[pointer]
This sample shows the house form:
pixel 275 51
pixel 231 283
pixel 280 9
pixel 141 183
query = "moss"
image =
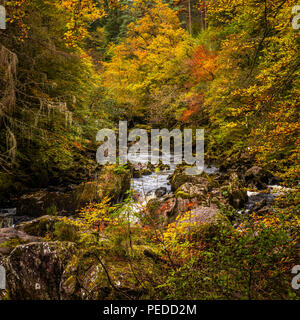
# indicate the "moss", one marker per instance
pixel 146 172
pixel 65 250
pixel 51 211
pixel 136 174
pixel 164 167
pixel 12 243
pixel 65 232
pixel 113 182
pixel 183 195
pixel 210 230
pixel 5 181
pixel 178 180
pixel 40 227
pixel 4 295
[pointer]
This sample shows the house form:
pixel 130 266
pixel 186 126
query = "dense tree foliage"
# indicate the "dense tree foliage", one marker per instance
pixel 239 78
pixel 256 91
pixel 48 92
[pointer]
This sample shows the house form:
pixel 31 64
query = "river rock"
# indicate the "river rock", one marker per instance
pixel 136 173
pixel 38 227
pixel 205 221
pixel 43 201
pixel 146 172
pixel 190 190
pixel 84 279
pixel 160 192
pixel 236 192
pixel 257 177
pixel 167 208
pixel 183 205
pixel 202 215
pixel 178 178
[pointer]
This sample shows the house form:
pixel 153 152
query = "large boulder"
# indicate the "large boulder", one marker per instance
pixel 141 169
pixel 235 191
pixel 160 192
pixel 45 202
pixel 204 215
pixel 190 190
pixel 160 211
pixel 86 278
pixel 51 227
pixel 179 177
pixel 202 223
pixel 10 238
pixel 34 270
pixel 112 182
pixel 39 227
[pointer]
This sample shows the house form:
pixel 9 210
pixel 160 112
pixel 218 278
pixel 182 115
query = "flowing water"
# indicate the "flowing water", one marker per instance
pixel 146 187
pixel 265 197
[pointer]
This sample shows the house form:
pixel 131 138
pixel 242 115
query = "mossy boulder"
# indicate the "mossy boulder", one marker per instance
pixel 85 278
pixel 179 177
pixel 146 172
pixel 50 226
pixel 44 202
pixel 204 222
pixel 257 177
pixel 34 270
pixel 136 173
pixel 235 192
pixel 113 182
pixel 190 190
pixel 11 238
pixel 39 227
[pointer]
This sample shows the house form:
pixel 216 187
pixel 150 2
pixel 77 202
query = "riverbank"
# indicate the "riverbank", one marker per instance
pixel 102 253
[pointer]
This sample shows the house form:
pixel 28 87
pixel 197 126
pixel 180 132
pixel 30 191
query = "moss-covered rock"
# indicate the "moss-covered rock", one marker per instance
pixel 146 172
pixel 86 277
pixel 39 227
pixel 34 270
pixel 204 218
pixel 257 177
pixel 179 177
pixel 45 202
pixel 11 238
pixel 113 182
pixel 235 192
pixel 190 190
pixel 51 227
